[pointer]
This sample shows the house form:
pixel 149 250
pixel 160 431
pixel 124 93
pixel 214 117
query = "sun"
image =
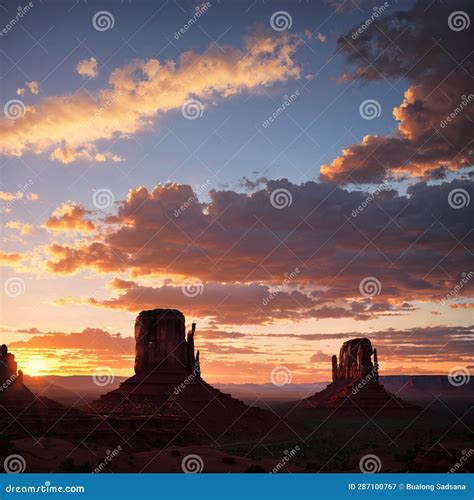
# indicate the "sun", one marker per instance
pixel 35 367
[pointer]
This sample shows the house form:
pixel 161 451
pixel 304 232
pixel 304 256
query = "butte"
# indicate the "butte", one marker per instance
pixel 355 382
pixel 168 385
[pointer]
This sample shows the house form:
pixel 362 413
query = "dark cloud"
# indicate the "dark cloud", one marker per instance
pixel 436 116
pixel 258 263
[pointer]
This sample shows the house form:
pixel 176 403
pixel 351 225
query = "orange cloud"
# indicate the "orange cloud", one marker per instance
pixel 23 228
pixel 69 217
pixel 70 125
pixel 9 258
pixel 87 67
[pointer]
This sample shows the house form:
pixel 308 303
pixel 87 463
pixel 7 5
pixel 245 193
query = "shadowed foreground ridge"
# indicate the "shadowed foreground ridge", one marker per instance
pixel 355 381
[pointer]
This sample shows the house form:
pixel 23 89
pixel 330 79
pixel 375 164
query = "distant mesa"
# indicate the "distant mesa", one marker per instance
pixel 355 381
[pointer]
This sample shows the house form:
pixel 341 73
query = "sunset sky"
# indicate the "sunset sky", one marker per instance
pixel 288 180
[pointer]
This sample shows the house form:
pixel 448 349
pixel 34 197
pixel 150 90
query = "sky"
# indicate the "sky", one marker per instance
pixel 290 175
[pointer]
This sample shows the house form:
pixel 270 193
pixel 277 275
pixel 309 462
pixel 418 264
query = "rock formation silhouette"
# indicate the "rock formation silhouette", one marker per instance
pixel 168 385
pixel 355 381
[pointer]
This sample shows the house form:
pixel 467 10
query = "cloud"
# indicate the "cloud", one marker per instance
pixel 245 251
pixel 436 115
pixel 144 89
pixel 22 227
pixel 90 338
pixel 33 87
pixel 69 217
pixel 87 67
pixel 9 258
pixel 322 38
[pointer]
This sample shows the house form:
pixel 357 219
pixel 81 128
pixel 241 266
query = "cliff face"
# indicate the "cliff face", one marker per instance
pixel 355 361
pixel 160 342
pixel 355 381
